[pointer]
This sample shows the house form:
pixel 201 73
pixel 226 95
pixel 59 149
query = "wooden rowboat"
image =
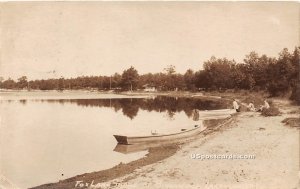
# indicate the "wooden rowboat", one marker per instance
pixel 159 138
pixel 184 133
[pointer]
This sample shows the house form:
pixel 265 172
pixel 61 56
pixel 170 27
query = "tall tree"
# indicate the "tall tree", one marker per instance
pixel 170 69
pixel 61 84
pixel 130 79
pixel 219 73
pixel 189 79
pixel 22 82
pixel 116 80
pixel 1 80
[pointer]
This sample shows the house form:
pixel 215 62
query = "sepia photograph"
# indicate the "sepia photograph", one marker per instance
pixel 149 95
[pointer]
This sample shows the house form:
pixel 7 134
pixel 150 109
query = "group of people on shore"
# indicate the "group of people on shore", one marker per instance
pixel 251 106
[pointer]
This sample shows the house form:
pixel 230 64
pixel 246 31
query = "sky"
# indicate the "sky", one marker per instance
pixel 52 39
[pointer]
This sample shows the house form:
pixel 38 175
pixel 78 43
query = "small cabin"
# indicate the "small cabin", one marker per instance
pixel 149 88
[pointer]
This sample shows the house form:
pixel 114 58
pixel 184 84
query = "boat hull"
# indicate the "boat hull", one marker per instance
pixel 158 138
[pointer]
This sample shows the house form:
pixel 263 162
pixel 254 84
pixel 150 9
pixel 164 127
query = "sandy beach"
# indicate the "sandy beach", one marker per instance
pixel 276 163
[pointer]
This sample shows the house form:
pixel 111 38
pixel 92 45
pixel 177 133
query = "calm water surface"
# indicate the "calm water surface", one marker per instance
pixel 44 141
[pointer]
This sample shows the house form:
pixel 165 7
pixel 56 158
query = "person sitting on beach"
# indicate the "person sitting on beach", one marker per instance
pixel 265 106
pixel 251 106
pixel 236 105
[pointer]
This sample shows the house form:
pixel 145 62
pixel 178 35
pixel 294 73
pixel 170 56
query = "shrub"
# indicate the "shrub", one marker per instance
pixel 296 94
pixel 292 122
pixel 272 111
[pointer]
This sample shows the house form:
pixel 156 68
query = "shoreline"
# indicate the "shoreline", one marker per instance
pixel 124 175
pixel 267 138
pixel 155 155
pixel 86 94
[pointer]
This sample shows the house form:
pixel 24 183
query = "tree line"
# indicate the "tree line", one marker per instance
pixel 277 75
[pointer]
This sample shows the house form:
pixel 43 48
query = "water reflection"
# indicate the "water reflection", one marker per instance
pixel 131 106
pixel 23 102
pixel 128 149
pixel 63 138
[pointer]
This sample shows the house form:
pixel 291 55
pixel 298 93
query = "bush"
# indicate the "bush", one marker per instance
pixel 296 94
pixel 291 121
pixel 278 87
pixel 272 111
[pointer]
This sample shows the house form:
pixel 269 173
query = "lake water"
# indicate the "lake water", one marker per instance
pixel 44 141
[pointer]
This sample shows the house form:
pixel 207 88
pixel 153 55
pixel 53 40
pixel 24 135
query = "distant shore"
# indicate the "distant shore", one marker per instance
pixel 87 94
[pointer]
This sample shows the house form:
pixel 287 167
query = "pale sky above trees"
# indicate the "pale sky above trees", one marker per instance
pixel 70 39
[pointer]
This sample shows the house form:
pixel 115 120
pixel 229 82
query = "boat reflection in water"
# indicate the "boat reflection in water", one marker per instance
pixel 128 149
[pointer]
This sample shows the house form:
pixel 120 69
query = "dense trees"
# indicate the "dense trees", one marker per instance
pixel 189 80
pixel 129 79
pixel 22 82
pixel 219 73
pixel 276 75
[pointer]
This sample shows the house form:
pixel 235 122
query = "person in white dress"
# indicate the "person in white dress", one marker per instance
pixel 265 106
pixel 236 105
pixel 251 107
